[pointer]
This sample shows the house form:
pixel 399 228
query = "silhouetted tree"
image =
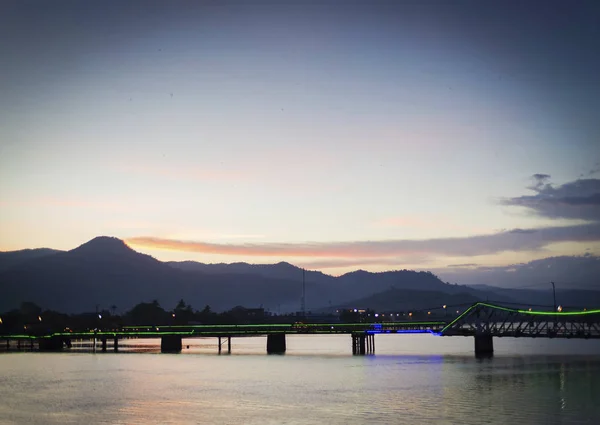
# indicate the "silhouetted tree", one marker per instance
pixel 183 312
pixel 147 314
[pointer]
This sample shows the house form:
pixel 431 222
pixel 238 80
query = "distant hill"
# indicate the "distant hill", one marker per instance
pixel 397 300
pixel 347 287
pixel 282 270
pixel 14 258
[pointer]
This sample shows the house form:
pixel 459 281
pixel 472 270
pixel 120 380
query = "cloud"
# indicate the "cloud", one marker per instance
pixel 578 200
pixel 520 240
pixel 359 262
pixel 594 170
pixel 539 180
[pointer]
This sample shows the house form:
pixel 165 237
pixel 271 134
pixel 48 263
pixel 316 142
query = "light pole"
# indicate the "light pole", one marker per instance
pixel 555 317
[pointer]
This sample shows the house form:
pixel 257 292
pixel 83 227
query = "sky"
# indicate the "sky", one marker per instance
pixel 335 135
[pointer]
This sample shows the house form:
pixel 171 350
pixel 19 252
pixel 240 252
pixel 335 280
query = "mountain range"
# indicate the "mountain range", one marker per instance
pixel 105 272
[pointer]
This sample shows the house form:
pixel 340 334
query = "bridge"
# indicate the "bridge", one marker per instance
pixel 483 321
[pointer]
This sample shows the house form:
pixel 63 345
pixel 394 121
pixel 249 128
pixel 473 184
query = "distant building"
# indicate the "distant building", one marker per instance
pixel 240 312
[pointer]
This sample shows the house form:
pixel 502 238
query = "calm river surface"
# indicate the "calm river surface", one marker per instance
pixel 413 379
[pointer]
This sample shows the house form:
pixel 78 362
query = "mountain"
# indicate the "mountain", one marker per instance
pixel 105 271
pixel 13 258
pixel 282 270
pixel 324 290
pixel 397 300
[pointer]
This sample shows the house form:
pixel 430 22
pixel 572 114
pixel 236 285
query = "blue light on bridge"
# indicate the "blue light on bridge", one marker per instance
pixel 405 331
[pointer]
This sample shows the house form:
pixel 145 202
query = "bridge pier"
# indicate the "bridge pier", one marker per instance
pixel 276 343
pixel 358 344
pixel 363 344
pixel 116 345
pixel 484 345
pixel 104 344
pixel 371 344
pixel 229 345
pixel 170 344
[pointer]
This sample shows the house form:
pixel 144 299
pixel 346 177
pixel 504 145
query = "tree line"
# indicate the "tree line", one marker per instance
pixel 31 318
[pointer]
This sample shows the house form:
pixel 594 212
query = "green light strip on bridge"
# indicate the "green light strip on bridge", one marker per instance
pixel 512 310
pixel 279 325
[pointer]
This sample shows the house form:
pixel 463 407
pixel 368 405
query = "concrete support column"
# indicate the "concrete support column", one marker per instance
pixel 228 345
pixel 359 344
pixel 370 344
pixel 170 344
pixel 116 345
pixel 219 342
pixel 104 344
pixel 276 343
pixel 484 345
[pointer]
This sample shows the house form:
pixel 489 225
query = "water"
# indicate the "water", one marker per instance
pixel 413 379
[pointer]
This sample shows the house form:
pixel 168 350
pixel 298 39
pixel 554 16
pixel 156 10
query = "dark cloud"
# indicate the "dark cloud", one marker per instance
pixel 539 180
pixel 522 231
pixel 579 199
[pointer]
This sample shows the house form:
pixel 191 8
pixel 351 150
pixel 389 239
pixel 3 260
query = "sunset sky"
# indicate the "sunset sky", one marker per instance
pixel 334 135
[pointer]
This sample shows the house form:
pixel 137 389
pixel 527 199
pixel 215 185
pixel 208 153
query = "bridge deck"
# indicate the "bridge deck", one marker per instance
pixel 191 331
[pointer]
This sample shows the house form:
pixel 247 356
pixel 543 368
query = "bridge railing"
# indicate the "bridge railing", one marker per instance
pixel 495 320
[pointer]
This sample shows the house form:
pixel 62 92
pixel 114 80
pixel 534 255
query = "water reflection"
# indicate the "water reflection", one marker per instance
pixel 299 388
